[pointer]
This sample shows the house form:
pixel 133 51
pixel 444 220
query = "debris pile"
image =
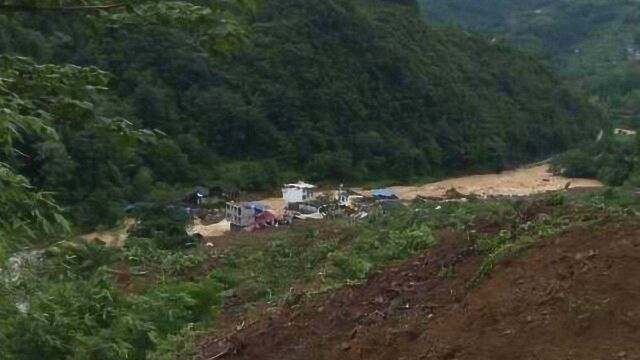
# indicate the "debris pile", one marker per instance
pixel 253 216
pixel 301 201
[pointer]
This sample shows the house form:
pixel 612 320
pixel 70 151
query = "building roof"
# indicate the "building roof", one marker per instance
pixel 199 191
pixel 300 185
pixel 255 205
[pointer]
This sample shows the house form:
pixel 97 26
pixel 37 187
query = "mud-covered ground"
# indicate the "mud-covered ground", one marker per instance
pixel 524 181
pixel 572 296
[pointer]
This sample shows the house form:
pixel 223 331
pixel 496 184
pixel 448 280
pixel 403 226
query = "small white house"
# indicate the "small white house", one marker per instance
pixel 298 192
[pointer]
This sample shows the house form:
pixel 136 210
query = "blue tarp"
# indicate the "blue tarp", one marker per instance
pixel 258 206
pixel 384 194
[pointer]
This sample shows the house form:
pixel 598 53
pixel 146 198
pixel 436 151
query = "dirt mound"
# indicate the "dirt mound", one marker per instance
pixel 576 296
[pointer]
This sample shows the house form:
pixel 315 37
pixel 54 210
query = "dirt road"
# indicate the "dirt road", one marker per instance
pixel 519 182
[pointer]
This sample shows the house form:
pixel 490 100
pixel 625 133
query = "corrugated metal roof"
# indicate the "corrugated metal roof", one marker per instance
pixel 300 185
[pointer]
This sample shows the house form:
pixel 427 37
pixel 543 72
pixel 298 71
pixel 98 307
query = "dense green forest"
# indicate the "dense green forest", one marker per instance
pixel 130 103
pixel 596 43
pixel 615 161
pixel 326 90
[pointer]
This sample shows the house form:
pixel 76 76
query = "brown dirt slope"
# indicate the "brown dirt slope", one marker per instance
pixel 575 296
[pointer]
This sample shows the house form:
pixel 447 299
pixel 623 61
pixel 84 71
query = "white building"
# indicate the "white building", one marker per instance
pixel 298 192
pixel 240 215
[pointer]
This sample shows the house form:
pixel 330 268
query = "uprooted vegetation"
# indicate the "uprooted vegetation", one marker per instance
pixel 156 296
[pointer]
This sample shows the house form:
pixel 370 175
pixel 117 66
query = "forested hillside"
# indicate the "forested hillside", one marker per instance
pixel 327 90
pixel 113 105
pixel 594 42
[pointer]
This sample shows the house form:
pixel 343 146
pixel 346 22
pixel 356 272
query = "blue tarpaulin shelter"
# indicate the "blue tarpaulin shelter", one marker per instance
pixel 383 194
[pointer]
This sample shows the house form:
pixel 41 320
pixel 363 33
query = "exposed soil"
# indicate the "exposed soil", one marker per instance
pixel 212 230
pixel 575 296
pixel 276 204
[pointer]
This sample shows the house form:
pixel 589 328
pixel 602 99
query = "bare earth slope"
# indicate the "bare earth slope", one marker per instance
pixel 574 296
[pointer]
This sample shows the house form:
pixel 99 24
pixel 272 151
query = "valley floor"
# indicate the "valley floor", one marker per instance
pixel 524 181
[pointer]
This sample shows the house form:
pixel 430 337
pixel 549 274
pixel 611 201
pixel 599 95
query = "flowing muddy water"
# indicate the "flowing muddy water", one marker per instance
pixel 519 182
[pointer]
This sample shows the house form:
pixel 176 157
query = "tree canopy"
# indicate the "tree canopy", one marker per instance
pixel 594 43
pixel 104 105
pixel 338 90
